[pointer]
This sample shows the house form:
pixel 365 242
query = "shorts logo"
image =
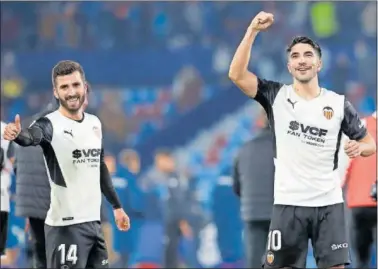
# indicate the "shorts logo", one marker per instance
pixel 339 246
pixel 270 258
pixel 328 112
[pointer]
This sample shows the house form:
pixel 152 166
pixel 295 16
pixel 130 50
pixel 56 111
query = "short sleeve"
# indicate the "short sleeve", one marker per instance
pixel 267 91
pixel 351 124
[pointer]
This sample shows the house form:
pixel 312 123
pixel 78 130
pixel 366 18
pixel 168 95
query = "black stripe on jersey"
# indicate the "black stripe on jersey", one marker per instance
pixel 55 172
pixel 266 94
pixel 351 124
pixel 269 113
pixel 336 156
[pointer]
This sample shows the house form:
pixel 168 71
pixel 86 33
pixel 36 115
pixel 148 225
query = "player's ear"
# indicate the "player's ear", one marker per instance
pixel 288 67
pixel 320 65
pixel 55 93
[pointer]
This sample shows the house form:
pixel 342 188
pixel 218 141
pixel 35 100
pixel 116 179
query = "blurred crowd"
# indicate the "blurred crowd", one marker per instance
pixel 158 78
pixel 138 25
pixel 147 100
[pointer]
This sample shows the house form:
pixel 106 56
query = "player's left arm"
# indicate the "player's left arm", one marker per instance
pixel 361 143
pixel 107 187
pixel 367 146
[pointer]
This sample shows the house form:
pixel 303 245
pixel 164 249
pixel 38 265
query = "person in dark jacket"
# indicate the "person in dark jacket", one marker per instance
pixel 253 181
pixel 33 191
pixel 182 217
pixel 125 180
pixel 226 217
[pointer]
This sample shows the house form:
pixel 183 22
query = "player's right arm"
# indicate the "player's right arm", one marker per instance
pixel 238 72
pixel 361 143
pixel 40 131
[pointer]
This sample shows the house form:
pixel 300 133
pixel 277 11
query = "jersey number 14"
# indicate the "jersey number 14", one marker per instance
pixel 71 255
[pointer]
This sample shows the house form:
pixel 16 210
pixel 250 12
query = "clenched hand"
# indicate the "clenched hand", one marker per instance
pixel 13 129
pixel 262 21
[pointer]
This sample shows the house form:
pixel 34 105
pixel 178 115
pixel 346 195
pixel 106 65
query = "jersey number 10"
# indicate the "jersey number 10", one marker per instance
pixel 274 240
pixel 71 254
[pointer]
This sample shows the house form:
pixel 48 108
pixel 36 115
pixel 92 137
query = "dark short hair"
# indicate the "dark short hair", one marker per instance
pixel 66 67
pixel 304 40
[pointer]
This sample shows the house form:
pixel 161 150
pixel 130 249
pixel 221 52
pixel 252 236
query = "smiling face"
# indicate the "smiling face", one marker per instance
pixel 70 90
pixel 304 62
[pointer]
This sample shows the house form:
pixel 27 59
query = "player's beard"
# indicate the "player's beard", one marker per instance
pixel 72 107
pixel 304 80
pixel 307 78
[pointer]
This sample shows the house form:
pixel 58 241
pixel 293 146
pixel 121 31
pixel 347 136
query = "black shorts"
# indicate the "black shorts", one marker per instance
pixel 292 226
pixel 3 231
pixel 76 246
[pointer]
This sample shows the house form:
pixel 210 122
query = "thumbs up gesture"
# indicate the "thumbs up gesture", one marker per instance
pixel 12 130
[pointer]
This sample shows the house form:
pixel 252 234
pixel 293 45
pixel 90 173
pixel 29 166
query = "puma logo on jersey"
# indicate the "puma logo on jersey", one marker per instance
pixel 291 102
pixel 68 132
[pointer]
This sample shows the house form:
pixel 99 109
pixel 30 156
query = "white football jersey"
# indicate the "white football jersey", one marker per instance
pixel 6 172
pixel 72 151
pixel 308 140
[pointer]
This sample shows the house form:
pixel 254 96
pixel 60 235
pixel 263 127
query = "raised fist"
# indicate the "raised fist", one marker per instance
pixel 262 21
